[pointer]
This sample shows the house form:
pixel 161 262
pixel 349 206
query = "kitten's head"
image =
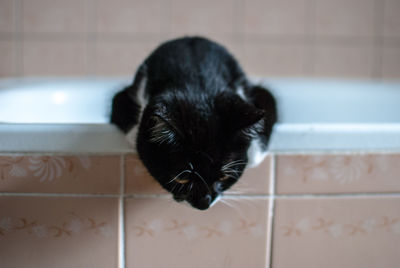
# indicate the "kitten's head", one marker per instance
pixel 195 146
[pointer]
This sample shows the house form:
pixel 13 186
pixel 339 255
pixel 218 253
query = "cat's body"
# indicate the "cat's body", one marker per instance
pixel 195 119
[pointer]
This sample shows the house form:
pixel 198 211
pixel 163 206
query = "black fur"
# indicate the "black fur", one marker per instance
pixel 195 122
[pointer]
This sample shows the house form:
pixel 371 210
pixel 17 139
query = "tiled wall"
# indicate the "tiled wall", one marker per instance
pixel 294 210
pixel 315 38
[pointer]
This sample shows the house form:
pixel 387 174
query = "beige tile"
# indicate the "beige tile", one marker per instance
pixel 138 16
pixel 271 59
pixel 350 173
pixel 43 58
pixel 58 232
pixel 202 17
pixel 344 60
pixel 139 181
pixel 254 180
pixel 391 62
pixel 121 58
pixel 7 58
pixel 60 174
pixel 53 16
pixel 336 232
pixel 391 21
pixel 7 16
pixel 345 17
pixel 124 57
pixel 275 17
pixel 180 236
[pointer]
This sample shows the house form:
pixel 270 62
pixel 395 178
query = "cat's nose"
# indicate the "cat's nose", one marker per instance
pixel 205 202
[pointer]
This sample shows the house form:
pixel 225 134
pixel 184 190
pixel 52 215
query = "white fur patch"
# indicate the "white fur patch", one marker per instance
pixel 255 153
pixel 141 96
pixel 240 92
pixel 131 137
pixel 142 100
pixel 215 200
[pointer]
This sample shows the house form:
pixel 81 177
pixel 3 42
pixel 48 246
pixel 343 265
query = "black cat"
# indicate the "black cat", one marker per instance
pixel 195 119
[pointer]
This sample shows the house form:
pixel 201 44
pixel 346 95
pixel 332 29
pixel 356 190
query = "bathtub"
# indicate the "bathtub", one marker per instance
pixel 330 185
pixel 313 114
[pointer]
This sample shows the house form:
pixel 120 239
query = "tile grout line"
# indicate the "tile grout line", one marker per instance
pixel 376 72
pixel 121 215
pixel 229 196
pixel 14 194
pixel 87 28
pixel 311 36
pixel 92 40
pixel 356 152
pixel 271 208
pixel 18 38
pixel 339 195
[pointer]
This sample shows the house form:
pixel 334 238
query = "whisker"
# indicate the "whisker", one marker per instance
pixel 180 189
pixel 237 165
pixel 226 202
pixel 191 186
pixel 248 203
pixel 205 183
pixel 231 174
pixel 231 171
pixel 173 188
pixel 236 162
pixel 229 204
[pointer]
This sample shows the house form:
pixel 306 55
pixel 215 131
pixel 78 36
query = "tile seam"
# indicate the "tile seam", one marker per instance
pixel 341 195
pixel 60 195
pixel 336 152
pixel 18 37
pixel 274 151
pixel 86 6
pixel 376 72
pixel 275 196
pixel 310 38
pixel 121 214
pixel 271 210
pixel 61 153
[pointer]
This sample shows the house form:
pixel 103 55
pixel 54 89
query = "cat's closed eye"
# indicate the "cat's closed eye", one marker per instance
pixel 224 178
pixel 182 181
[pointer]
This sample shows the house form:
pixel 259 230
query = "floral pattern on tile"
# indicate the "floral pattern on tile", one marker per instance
pixel 336 232
pixel 191 230
pixel 45 168
pixel 58 231
pixel 339 228
pixel 338 173
pixel 215 237
pixel 71 225
pixel 75 174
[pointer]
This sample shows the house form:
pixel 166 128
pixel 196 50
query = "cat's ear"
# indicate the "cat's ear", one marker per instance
pixel 162 128
pixel 236 113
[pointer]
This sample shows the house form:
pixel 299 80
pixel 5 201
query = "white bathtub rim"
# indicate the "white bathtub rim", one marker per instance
pixel 286 139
